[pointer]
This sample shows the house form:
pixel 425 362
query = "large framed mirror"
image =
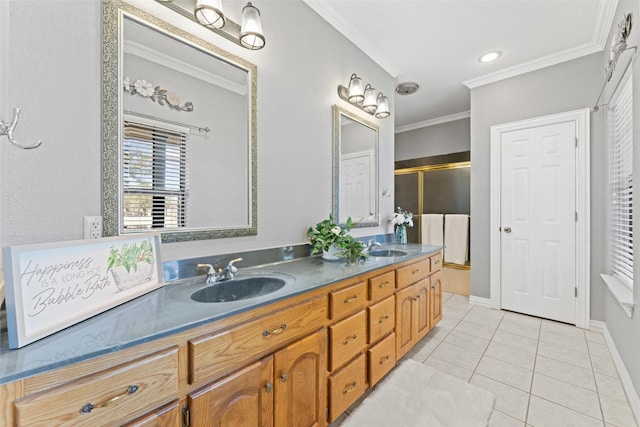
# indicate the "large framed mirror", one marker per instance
pixel 179 131
pixel 355 169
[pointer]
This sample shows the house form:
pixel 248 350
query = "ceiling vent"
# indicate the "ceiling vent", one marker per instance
pixel 407 88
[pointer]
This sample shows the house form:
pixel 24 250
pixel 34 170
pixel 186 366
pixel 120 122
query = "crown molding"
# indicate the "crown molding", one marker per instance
pixel 604 19
pixel 161 58
pixel 329 14
pixel 432 122
pixel 536 64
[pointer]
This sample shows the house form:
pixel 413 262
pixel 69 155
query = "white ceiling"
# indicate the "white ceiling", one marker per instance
pixel 436 43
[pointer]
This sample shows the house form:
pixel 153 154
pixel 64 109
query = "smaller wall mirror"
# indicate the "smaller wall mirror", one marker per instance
pixel 355 169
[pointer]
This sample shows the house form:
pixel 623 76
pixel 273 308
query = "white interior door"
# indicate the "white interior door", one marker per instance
pixel 355 186
pixel 538 221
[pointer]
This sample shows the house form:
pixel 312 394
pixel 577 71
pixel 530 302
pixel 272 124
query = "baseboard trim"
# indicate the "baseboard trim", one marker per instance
pixel 627 384
pixel 484 302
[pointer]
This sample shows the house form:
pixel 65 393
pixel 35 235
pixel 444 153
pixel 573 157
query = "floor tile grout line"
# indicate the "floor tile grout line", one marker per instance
pixel 595 381
pixel 533 374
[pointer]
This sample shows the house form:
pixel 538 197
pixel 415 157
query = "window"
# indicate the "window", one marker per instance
pixel 154 170
pixel 621 183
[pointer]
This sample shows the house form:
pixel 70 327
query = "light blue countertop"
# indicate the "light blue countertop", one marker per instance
pixel 169 310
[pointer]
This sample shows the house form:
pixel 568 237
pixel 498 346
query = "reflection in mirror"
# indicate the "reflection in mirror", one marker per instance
pixel 183 158
pixel 355 169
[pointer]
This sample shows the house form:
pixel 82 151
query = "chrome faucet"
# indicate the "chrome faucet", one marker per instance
pixel 227 273
pixel 371 244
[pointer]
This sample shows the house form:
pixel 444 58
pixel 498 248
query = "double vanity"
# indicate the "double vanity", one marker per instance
pixel 296 343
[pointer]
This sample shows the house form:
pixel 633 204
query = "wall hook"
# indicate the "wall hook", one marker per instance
pixel 8 128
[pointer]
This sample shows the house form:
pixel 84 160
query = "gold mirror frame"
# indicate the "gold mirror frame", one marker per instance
pixel 113 12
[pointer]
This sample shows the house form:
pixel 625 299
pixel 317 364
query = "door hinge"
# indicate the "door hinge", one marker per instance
pixel 576 216
pixel 326 413
pixel 186 416
pixel 576 138
pixel 575 292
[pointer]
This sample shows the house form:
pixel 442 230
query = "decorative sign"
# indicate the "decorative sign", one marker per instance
pixel 55 285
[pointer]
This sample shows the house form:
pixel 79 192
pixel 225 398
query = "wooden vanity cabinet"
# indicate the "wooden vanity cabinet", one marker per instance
pixel 296 362
pixel 283 389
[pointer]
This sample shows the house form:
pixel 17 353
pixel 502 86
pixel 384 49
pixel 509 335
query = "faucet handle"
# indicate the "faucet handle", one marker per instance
pixel 231 267
pixel 206 268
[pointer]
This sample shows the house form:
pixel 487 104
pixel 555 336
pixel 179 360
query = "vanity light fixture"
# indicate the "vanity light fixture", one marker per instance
pixel 209 14
pixel 365 98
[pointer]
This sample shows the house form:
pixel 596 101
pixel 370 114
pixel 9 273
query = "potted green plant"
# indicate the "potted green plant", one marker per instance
pixel 333 240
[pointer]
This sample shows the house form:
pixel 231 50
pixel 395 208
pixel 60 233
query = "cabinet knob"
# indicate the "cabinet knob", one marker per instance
pixel 350 299
pixel 284 378
pixel 268 387
pixel 349 388
pixel 349 339
pixel 275 331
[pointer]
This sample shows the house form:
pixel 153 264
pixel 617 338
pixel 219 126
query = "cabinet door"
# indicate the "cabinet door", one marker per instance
pixel 300 383
pixel 423 288
pixel 405 320
pixel 166 416
pixel 244 398
pixel 435 299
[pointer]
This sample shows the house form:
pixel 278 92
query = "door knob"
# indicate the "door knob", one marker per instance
pixel 507 229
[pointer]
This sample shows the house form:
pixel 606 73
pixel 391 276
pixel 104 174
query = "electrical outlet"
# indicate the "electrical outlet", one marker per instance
pixel 92 227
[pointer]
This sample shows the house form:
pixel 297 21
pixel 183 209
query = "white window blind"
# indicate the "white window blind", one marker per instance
pixel 154 165
pixel 621 184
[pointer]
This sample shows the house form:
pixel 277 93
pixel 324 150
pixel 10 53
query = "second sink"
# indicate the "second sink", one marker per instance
pixel 238 289
pixel 387 252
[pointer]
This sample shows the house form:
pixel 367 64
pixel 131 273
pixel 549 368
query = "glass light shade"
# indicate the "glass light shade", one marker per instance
pixel 251 35
pixel 356 91
pixel 383 107
pixel 370 103
pixel 209 13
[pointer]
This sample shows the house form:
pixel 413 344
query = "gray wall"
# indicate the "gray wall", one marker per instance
pixel 443 138
pixel 625 331
pixel 564 87
pixel 54 74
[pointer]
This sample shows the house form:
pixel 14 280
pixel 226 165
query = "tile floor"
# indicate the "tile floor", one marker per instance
pixel 543 373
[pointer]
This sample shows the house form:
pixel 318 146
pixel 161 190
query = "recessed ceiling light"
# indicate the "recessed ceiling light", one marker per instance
pixel 490 56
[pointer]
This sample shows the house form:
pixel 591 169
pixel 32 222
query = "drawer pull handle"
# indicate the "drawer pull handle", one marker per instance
pixel 383 285
pixel 417 270
pixel 90 406
pixel 348 300
pixel 383 319
pixel 349 388
pixel 384 359
pixel 284 378
pixel 268 387
pixel 275 331
pixel 352 338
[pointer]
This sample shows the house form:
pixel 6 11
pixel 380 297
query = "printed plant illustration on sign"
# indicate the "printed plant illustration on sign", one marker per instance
pixel 131 264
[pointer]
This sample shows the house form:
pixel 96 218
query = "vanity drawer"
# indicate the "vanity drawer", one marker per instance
pixel 347 300
pixel 436 262
pixel 221 352
pixel 112 396
pixel 381 358
pixel 346 386
pixel 382 317
pixel 412 273
pixel 347 338
pixel 382 286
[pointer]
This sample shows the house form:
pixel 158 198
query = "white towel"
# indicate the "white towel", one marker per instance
pixel 432 229
pixel 456 231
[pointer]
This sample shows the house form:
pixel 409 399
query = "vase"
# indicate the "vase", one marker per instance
pixel 332 254
pixel 401 234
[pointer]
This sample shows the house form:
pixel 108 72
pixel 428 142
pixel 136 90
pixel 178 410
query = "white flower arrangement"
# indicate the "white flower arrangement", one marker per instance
pixel 145 89
pixel 402 218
